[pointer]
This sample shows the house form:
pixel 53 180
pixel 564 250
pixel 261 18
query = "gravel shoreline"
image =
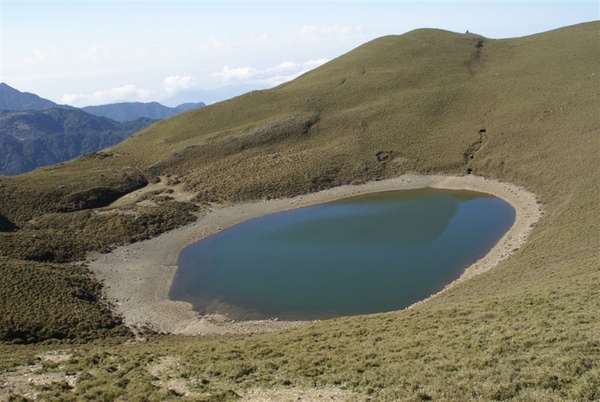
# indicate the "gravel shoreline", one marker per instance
pixel 137 277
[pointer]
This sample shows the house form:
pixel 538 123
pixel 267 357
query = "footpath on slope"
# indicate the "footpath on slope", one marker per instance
pixel 137 277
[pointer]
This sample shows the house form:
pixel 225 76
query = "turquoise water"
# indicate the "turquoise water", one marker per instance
pixel 372 253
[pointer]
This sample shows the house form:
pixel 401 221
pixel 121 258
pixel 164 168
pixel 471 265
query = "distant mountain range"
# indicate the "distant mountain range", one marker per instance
pixel 36 132
pixel 13 99
pixel 133 110
pixel 34 138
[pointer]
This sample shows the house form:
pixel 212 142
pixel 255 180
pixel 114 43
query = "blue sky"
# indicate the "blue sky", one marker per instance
pixel 96 52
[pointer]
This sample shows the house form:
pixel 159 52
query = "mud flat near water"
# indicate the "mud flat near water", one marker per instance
pixel 137 277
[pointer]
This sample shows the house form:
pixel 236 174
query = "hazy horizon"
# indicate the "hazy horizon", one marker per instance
pixel 88 53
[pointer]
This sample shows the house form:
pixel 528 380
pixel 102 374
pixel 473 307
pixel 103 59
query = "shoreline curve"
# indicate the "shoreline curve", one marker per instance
pixel 137 277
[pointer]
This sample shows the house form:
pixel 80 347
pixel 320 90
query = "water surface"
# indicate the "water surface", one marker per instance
pixel 372 253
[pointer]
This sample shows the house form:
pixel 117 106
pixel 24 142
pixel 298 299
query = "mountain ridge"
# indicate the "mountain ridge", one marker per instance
pixel 55 136
pixel 33 138
pixel 125 111
pixel 13 99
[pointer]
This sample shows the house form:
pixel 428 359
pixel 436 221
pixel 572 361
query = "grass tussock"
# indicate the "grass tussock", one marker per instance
pixel 522 110
pixel 48 301
pixel 54 302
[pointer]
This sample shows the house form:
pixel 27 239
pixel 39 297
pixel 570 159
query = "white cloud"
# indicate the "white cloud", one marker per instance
pixel 214 43
pixel 151 53
pixel 269 76
pixel 309 65
pixel 125 93
pixel 177 83
pixel 95 53
pixel 42 56
pixel 56 55
pixel 217 43
pixel 236 74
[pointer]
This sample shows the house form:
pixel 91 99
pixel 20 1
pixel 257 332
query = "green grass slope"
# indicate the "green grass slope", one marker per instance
pixel 523 110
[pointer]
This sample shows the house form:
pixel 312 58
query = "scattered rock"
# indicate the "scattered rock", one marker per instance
pixel 383 156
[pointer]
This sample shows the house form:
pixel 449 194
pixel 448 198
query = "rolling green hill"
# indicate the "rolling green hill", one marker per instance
pixel 522 110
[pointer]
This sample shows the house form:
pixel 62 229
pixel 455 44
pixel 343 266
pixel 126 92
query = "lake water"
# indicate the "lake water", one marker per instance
pixel 366 254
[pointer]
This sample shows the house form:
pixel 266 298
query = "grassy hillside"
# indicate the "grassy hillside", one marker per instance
pixel 522 110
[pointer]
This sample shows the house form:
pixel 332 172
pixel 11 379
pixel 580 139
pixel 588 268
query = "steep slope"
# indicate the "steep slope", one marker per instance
pixel 522 110
pixel 126 111
pixel 30 139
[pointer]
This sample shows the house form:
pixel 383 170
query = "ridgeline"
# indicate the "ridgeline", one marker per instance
pixel 522 110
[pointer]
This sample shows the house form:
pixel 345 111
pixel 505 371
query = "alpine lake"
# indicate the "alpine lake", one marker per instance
pixel 366 254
